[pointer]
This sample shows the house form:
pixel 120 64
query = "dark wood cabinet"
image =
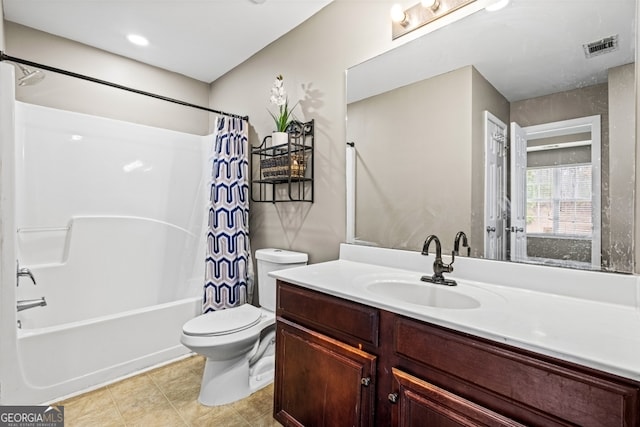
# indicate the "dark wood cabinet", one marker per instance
pixel 419 403
pixel 527 386
pixel 321 381
pixel 419 374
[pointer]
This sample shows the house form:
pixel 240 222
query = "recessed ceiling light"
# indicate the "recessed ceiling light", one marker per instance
pixel 496 5
pixel 138 40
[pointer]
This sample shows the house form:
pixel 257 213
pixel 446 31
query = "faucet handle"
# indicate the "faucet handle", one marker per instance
pixel 465 243
pixel 23 271
pixel 448 268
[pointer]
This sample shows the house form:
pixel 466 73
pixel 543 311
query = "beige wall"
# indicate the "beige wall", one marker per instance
pixel 313 59
pixel 67 93
pixel 614 102
pixel 2 44
pixel 484 97
pixel 622 165
pixel 636 130
pixel 414 162
pixel 421 160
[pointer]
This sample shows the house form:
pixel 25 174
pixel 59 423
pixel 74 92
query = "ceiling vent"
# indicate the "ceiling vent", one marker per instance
pixel 601 47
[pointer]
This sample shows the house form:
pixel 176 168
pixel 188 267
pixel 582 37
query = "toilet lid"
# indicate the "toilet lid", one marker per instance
pixel 223 322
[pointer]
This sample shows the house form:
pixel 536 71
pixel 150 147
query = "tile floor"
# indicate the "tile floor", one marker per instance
pixel 166 396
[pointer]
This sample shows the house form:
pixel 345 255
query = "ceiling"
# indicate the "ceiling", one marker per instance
pixel 528 49
pixel 202 39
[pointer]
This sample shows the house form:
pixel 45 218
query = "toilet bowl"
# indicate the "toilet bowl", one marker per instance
pixel 239 342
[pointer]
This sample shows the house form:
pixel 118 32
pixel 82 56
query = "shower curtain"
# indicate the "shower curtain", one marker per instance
pixel 228 265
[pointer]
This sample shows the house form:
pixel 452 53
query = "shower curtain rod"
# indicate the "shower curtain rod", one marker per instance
pixel 5 57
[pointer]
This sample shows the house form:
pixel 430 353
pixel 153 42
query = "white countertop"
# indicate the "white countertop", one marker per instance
pixel 577 323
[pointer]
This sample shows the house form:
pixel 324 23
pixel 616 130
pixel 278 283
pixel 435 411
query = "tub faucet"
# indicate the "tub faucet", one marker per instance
pixel 439 267
pixel 23 271
pixel 26 304
pixel 465 244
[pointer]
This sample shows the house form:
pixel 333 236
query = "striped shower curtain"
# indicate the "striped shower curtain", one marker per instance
pixel 228 265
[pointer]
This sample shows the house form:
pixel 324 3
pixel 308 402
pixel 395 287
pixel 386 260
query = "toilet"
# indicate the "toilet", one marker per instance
pixel 239 342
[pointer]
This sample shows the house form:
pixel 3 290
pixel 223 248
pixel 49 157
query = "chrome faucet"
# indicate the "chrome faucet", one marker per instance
pixel 26 304
pixel 439 267
pixel 465 244
pixel 24 271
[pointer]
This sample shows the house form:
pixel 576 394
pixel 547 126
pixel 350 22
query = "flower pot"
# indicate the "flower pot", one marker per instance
pixel 279 138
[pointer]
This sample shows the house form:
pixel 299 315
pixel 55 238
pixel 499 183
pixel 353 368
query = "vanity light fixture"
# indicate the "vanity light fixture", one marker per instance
pixel 405 21
pixel 398 15
pixel 431 4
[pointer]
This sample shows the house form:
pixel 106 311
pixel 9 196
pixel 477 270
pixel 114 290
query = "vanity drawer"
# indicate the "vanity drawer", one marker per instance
pixel 350 322
pixel 537 389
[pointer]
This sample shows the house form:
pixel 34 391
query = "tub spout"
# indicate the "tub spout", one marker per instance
pixel 31 303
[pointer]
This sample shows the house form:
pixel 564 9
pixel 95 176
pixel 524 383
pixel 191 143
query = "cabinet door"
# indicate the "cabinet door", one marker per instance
pixel 535 389
pixel 321 381
pixel 421 404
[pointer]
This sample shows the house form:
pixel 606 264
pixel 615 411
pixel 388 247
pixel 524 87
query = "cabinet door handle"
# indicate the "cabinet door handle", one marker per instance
pixel 393 397
pixel 365 381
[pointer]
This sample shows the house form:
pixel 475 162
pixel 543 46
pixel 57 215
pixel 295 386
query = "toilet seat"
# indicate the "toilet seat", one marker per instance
pixel 223 322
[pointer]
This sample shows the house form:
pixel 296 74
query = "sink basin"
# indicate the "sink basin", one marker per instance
pixel 422 294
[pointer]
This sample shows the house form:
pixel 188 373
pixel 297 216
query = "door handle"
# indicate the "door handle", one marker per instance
pixel 490 229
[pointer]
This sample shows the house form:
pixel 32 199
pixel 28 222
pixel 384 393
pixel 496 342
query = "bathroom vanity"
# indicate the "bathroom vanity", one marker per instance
pixel 350 354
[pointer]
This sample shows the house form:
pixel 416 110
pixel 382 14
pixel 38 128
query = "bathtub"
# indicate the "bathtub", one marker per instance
pixel 110 220
pixel 116 302
pixel 67 359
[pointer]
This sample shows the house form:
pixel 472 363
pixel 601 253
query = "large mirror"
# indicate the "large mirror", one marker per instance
pixel 516 127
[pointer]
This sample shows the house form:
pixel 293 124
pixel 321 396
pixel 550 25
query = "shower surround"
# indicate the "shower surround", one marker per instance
pixel 110 221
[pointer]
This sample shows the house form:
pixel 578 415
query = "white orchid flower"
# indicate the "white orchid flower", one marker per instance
pixel 279 97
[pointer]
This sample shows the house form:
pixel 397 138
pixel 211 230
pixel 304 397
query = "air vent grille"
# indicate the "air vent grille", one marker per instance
pixel 601 47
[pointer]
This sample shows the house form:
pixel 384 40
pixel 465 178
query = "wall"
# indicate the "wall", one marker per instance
pixel 636 133
pixel 622 165
pixel 67 93
pixel 483 97
pixel 613 102
pixel 559 249
pixel 313 59
pixel 414 161
pixel 421 160
pixel 2 42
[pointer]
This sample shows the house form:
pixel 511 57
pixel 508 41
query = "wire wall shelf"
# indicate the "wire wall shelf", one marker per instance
pixel 284 172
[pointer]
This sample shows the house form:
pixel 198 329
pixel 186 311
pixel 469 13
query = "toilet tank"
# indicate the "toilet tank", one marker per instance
pixel 271 260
